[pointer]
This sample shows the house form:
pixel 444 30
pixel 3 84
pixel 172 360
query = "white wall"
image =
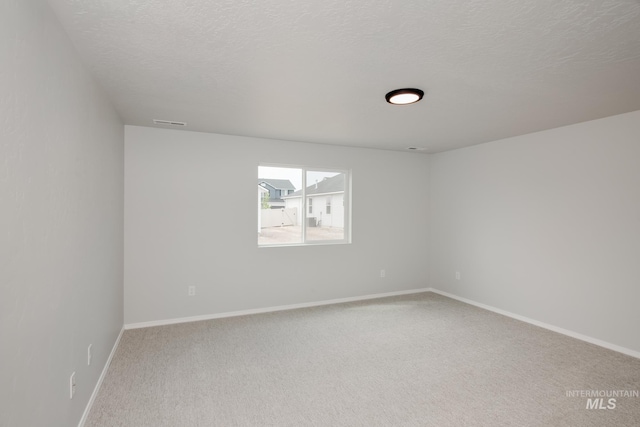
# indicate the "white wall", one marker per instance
pixel 61 221
pixel 336 217
pixel 174 184
pixel 545 225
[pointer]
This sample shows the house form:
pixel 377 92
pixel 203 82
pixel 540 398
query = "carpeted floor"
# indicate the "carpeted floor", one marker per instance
pixel 416 360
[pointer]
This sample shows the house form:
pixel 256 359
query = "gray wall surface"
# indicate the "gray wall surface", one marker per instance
pixel 546 226
pixel 61 222
pixel 177 235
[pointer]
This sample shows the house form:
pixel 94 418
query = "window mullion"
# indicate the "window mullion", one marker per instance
pixel 304 206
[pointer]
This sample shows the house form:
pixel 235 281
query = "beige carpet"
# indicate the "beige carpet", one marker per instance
pixel 418 360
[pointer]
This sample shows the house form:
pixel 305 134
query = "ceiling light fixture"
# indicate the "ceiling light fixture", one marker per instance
pixel 404 96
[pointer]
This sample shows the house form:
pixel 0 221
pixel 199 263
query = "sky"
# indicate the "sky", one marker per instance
pixel 293 174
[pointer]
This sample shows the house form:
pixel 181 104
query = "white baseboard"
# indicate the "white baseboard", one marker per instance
pixel 553 328
pixel 96 389
pixel 270 309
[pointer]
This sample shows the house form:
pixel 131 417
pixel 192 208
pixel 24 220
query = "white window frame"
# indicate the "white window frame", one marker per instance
pixel 346 201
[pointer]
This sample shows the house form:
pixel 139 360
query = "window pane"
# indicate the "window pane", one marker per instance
pixel 279 212
pixel 326 220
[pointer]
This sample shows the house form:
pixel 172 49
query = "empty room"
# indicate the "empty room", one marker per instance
pixel 337 213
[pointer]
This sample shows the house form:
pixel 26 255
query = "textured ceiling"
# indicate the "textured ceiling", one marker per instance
pixel 317 71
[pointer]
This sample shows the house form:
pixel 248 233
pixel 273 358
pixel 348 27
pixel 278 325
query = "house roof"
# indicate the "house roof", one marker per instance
pixel 334 184
pixel 280 184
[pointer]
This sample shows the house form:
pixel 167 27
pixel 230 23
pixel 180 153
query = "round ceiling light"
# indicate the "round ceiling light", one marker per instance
pixel 404 96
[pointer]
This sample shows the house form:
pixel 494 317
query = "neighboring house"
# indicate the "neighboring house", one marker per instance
pixel 325 202
pixel 278 188
pixel 261 192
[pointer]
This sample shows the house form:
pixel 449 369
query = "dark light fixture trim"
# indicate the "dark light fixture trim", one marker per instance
pixel 404 96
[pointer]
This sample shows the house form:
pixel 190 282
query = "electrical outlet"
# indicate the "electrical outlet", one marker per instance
pixel 72 385
pixel 89 355
pixel 457 275
pixel 191 291
pixel 383 273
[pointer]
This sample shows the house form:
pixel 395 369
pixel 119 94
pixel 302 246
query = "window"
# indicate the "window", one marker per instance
pixel 316 211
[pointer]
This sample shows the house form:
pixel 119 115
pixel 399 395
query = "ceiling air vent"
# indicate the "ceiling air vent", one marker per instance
pixel 168 122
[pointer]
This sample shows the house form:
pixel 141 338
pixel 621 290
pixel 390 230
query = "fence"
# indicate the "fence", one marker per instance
pixel 278 217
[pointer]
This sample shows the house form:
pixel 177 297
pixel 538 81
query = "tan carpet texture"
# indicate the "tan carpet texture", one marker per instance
pixel 416 360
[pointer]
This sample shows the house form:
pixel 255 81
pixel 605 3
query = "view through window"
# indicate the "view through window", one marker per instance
pixel 302 205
